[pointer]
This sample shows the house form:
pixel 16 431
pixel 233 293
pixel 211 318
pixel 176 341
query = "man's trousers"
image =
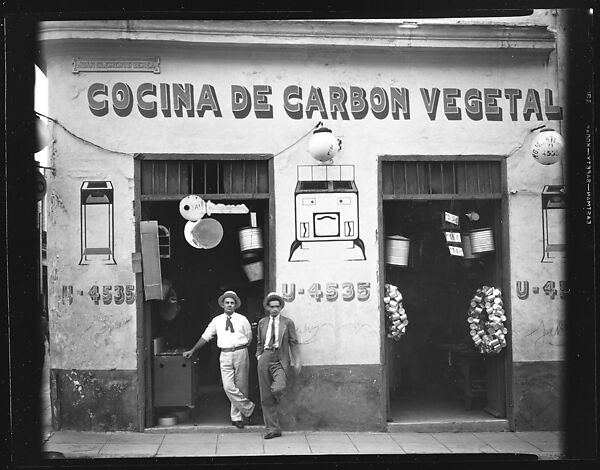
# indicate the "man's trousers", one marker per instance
pixel 234 375
pixel 272 382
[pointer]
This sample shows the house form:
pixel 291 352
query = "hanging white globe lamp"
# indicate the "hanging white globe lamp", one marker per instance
pixel 42 135
pixel 323 145
pixel 547 147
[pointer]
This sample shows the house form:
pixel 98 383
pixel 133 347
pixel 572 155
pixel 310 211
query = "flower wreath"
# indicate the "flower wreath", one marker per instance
pixel 485 318
pixel 395 313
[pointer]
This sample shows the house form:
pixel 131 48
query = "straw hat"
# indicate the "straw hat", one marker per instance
pixel 273 296
pixel 230 295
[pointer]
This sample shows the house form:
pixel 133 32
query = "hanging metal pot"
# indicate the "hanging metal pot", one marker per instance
pixel 203 234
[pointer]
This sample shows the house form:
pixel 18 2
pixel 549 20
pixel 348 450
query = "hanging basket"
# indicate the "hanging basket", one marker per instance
pixel 486 320
pixel 396 318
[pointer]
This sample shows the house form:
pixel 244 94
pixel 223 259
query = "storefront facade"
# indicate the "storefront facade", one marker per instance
pixel 147 113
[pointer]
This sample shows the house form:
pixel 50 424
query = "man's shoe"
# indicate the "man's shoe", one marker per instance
pixel 238 424
pixel 248 420
pixel 271 435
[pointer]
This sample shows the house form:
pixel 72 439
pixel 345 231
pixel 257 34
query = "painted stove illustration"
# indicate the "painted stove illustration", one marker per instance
pixel 326 206
pixel 554 207
pixel 97 222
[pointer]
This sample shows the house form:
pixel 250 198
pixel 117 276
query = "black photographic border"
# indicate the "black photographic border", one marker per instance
pixel 20 335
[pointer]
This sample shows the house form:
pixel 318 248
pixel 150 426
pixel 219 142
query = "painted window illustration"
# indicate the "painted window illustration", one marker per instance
pixel 97 222
pixel 554 207
pixel 326 209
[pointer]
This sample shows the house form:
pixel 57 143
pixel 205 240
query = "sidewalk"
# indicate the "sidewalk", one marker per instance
pixel 250 442
pixel 228 441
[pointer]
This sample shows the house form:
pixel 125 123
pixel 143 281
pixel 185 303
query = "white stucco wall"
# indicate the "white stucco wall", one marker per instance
pixel 539 329
pixel 337 332
pixel 86 335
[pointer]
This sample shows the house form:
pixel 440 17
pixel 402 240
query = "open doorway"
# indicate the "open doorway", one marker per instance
pixel 185 272
pixel 434 371
pixel 196 278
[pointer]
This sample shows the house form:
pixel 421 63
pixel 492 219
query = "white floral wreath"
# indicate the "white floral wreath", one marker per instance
pixel 395 313
pixel 486 320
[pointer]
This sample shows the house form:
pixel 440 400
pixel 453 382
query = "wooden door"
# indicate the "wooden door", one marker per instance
pixel 495 365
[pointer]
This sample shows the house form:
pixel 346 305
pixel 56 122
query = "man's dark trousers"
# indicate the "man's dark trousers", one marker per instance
pixel 272 381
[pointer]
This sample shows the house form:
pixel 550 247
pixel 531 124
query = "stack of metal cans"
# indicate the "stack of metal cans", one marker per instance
pixel 396 318
pixel 486 320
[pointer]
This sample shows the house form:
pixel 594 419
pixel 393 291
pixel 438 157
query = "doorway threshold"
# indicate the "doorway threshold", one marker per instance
pixel 475 425
pixel 432 411
pixel 204 428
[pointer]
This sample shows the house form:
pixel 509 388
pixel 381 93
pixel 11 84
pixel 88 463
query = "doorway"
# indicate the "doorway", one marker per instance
pixel 179 392
pixel 434 372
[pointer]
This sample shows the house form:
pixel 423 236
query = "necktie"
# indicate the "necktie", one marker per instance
pixel 272 340
pixel 228 324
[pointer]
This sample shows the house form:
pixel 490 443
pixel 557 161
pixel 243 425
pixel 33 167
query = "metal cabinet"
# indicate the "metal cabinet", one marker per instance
pixel 175 380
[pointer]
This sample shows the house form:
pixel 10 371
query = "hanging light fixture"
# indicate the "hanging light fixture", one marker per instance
pixel 323 145
pixel 472 216
pixel 42 136
pixel 547 147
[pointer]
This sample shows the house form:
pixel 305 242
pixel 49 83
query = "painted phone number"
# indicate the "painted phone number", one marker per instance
pixel 332 291
pixel 117 294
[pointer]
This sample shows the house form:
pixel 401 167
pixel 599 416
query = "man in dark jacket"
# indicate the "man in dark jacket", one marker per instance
pixel 276 340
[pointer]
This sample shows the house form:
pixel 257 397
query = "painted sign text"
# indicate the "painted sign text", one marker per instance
pixel 334 102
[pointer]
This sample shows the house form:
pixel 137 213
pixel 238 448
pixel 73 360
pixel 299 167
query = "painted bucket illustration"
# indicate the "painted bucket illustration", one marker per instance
pixel 396 250
pixel 482 240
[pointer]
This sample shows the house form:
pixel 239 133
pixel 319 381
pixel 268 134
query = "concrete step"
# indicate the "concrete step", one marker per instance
pixel 479 425
pixel 491 425
pixel 206 428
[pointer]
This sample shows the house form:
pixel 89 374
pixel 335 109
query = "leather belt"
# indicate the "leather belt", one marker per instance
pixel 271 349
pixel 237 348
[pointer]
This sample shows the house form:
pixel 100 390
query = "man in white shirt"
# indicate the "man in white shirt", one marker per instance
pixel 233 338
pixel 276 340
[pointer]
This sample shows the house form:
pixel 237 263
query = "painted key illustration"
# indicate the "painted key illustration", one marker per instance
pixel 193 208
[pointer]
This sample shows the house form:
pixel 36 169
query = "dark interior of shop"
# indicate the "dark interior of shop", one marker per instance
pixel 425 376
pixel 426 379
pixel 198 277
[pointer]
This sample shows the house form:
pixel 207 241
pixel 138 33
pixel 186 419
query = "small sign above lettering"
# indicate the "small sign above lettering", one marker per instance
pixel 453 219
pixel 86 64
pixel 453 237
pixel 456 251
